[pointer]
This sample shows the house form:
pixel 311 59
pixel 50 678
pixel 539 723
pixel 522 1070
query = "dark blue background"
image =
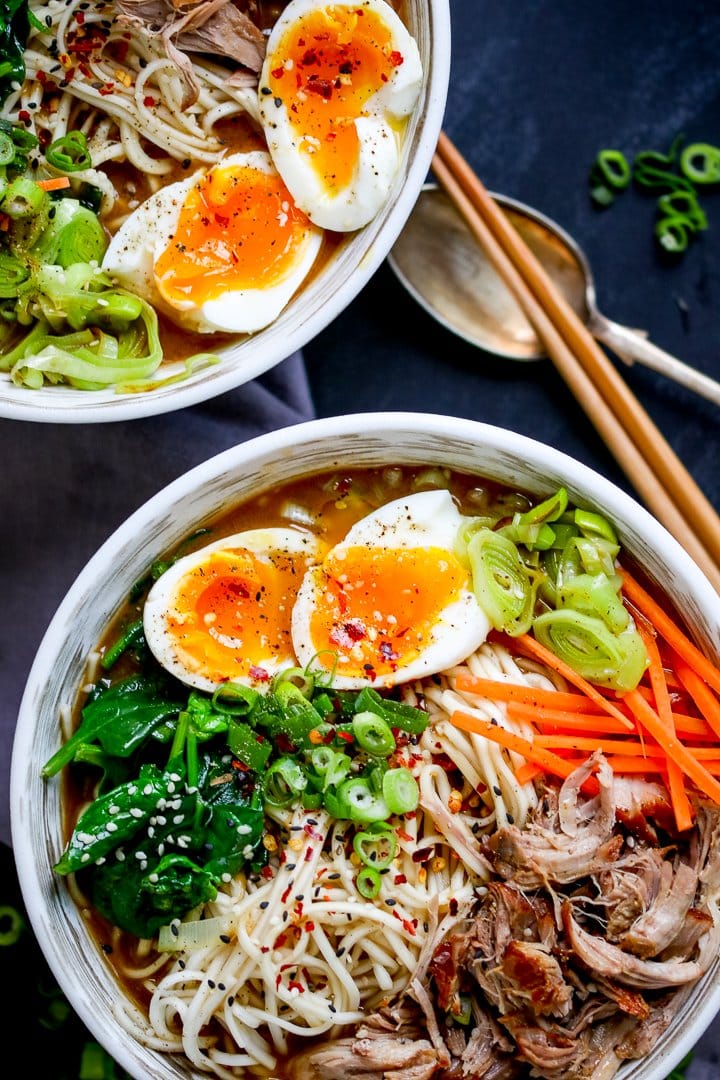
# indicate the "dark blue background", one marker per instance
pixel 537 89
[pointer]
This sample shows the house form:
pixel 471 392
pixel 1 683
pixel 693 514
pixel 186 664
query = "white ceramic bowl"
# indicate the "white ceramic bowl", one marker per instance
pixel 245 470
pixel 316 305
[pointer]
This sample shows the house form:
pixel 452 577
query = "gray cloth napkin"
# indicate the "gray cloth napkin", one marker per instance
pixel 66 487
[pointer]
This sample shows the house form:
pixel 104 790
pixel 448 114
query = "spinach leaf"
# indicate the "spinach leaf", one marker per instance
pixel 120 719
pixel 14 28
pixel 154 848
pixel 113 819
pixel 142 900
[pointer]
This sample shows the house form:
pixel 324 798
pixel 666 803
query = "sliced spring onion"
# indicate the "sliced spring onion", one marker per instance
pixel 584 642
pixel 376 849
pixel 194 934
pixel 614 169
pixel 356 800
pixel 70 153
pixel 235 699
pixel 503 585
pixel 700 163
pixel 300 678
pixel 12 275
pixel 11 925
pixel 331 766
pixel 673 233
pixel 592 524
pixel 23 199
pixel 400 791
pixel 83 240
pixel 7 149
pixel 595 595
pixel 396 713
pixel 248 746
pixel 283 782
pixel 373 734
pixel 368 882
pixel 683 204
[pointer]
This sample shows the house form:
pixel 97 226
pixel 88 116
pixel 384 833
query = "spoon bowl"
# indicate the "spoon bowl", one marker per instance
pixel 443 267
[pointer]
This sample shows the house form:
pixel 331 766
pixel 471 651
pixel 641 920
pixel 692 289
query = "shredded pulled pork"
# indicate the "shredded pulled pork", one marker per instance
pixel 220 28
pixel 577 956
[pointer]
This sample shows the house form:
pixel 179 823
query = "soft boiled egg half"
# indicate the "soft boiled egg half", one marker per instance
pixel 224 250
pixel 392 601
pixel 336 88
pixel 222 613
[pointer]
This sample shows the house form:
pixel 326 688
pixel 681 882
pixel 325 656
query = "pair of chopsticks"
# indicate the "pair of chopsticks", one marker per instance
pixel 657 474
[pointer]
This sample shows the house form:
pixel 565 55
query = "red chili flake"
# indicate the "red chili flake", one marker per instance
pixel 309 57
pixel 323 87
pixel 278 72
pixel 396 58
pixel 239 765
pixel 286 967
pixel 24 116
pixel 411 814
pixel 106 90
pixel 257 673
pixel 400 879
pixel 41 77
pixel 267 872
pixel 403 835
pixel 285 895
pixel 422 856
pixel 309 926
pixel 330 136
pixel 278 980
pixel 296 986
pixel 264 948
pixel 308 854
pixel 312 832
pixel 148 101
pixel 80 17
pixel 410 926
pixel 323 870
pixel 383 77
pixel 280 941
pixel 85 70
pixel 453 906
pixel 121 50
pixel 346 736
pixel 298 910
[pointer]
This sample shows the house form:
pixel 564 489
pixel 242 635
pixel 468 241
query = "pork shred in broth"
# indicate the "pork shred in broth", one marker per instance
pixel 536 929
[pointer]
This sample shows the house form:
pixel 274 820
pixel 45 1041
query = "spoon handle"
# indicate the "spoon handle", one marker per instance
pixel 631 345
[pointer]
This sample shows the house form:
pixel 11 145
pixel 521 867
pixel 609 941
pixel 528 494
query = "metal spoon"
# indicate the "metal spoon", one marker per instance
pixel 441 264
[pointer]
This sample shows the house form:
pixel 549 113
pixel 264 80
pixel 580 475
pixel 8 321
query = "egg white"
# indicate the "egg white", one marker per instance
pixel 161 603
pixel 380 144
pixel 425 519
pixel 134 250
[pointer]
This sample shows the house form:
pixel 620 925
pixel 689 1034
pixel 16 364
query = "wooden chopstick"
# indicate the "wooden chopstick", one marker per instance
pixel 657 474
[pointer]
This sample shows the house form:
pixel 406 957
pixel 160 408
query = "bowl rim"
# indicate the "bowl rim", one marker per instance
pixel 65 405
pixel 290 441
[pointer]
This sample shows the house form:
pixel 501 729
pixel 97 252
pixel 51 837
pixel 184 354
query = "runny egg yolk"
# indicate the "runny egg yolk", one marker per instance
pixel 327 65
pixel 237 229
pixel 231 613
pixel 379 606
